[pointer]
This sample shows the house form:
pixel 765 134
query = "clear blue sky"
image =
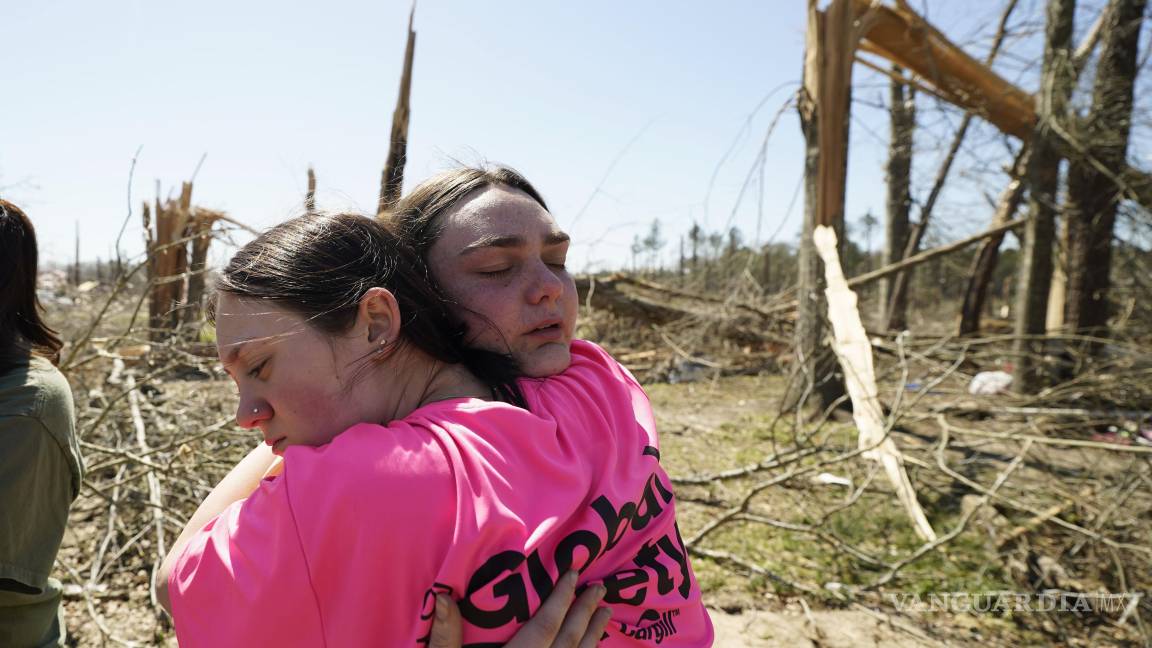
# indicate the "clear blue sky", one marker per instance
pixel 624 110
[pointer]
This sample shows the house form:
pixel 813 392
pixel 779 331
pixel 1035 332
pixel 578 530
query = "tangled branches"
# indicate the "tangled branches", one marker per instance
pixel 1029 494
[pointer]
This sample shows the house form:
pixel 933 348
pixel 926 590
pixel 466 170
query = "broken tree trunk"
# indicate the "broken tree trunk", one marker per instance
pixel 809 323
pixel 984 264
pixel 1093 197
pixel 1035 267
pixel 167 260
pixel 392 180
pixel 902 122
pixel 177 242
pixel 310 197
pixel 824 105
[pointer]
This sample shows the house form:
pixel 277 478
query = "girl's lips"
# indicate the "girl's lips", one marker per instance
pixel 550 332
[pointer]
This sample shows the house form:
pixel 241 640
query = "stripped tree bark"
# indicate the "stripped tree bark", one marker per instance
pixel 392 179
pixel 902 122
pixel 1093 197
pixel 854 352
pixel 1035 266
pixel 831 44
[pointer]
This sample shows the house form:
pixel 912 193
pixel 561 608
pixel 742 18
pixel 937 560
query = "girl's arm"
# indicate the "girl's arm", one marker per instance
pixel 236 485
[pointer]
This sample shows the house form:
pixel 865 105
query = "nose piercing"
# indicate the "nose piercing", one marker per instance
pixel 255 410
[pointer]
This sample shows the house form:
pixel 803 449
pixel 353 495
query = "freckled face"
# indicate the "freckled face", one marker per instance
pixel 501 256
pixel 291 378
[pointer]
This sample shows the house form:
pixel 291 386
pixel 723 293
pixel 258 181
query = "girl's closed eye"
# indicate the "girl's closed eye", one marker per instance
pixel 255 371
pixel 499 272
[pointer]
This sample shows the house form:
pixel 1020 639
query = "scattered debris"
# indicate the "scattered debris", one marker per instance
pixel 989 383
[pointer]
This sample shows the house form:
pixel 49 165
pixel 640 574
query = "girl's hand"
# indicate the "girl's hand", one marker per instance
pixel 559 623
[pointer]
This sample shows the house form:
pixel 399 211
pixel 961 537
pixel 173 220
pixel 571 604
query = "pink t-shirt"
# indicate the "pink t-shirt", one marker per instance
pixel 484 501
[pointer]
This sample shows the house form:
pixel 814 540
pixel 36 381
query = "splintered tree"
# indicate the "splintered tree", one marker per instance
pixel 1094 190
pixel 177 236
pixel 310 196
pixel 824 103
pixel 392 179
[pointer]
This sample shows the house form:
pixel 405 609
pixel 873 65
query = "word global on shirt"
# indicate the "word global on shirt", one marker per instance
pixel 660 564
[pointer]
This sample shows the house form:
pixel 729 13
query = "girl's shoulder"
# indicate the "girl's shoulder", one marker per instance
pixel 595 392
pixel 593 376
pixel 423 444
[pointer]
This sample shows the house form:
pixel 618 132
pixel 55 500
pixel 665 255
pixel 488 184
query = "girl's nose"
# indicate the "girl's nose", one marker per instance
pixel 544 284
pixel 250 411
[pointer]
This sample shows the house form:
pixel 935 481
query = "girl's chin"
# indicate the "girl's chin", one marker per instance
pixel 546 360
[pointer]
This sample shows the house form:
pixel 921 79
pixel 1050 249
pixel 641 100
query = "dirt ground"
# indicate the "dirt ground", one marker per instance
pixel 817 629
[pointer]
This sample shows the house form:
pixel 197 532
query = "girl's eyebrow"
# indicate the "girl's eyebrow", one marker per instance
pixel 493 241
pixel 511 241
pixel 233 353
pixel 556 238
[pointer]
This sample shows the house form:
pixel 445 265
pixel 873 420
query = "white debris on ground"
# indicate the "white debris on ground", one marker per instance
pixel 987 383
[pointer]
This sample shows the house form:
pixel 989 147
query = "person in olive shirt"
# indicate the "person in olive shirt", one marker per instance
pixel 40 467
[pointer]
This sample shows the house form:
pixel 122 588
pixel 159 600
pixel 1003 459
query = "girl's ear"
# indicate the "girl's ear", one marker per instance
pixel 378 317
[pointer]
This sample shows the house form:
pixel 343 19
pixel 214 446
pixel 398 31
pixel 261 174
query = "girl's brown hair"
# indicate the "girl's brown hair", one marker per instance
pixel 417 216
pixel 22 328
pixel 319 266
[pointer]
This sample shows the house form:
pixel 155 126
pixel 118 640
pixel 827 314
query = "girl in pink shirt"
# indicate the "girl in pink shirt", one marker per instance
pixel 483 501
